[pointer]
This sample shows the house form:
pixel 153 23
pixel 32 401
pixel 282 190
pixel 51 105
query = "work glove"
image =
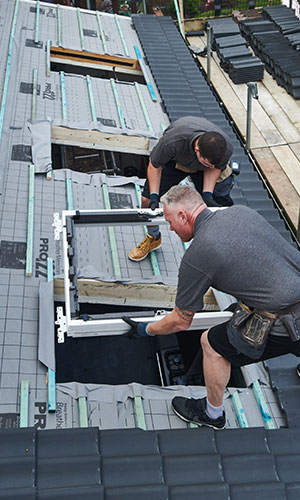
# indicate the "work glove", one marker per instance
pixel 209 199
pixel 137 330
pixel 154 201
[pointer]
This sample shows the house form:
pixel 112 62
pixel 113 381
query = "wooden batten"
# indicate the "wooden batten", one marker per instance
pixel 138 294
pixel 93 58
pixel 99 140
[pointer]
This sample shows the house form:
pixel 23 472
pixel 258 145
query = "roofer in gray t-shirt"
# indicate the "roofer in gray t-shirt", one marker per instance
pixel 190 146
pixel 236 251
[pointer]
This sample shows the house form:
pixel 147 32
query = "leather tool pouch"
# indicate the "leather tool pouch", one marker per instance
pixel 253 325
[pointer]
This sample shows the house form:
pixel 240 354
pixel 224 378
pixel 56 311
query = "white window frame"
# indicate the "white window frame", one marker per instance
pixel 111 327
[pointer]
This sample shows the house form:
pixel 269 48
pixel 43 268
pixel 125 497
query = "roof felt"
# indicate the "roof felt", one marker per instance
pixel 112 464
pixel 165 465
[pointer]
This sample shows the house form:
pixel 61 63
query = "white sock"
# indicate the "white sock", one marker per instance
pixel 213 412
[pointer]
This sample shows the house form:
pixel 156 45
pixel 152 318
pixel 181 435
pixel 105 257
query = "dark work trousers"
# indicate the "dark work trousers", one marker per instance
pixel 170 176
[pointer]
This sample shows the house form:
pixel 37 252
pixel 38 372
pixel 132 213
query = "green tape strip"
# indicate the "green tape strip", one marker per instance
pixel 112 237
pixel 145 73
pixel 80 29
pixel 30 221
pixel 239 410
pixel 122 36
pixel 153 258
pixel 143 106
pixel 70 205
pixel 82 409
pixel 91 98
pixel 63 95
pixel 37 22
pixel 34 93
pixel 117 100
pixel 101 31
pixel 8 68
pixel 51 373
pixel 59 26
pixel 139 413
pixel 24 403
pixel 48 70
pixel 265 413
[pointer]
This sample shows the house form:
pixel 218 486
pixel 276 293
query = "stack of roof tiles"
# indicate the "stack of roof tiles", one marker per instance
pixel 232 50
pixel 274 39
pixel 163 465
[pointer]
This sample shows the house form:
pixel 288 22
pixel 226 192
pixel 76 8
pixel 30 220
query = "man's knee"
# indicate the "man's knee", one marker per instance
pixel 207 348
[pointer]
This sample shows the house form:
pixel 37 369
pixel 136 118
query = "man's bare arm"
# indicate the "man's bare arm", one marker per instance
pixel 175 321
pixel 210 177
pixel 154 176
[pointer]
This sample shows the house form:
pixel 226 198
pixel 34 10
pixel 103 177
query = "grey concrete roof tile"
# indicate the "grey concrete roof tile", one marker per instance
pixel 137 492
pixel 288 468
pixel 135 442
pixel 254 441
pixel 207 492
pixel 70 442
pixel 73 493
pixel 292 491
pixel 3 311
pixel 236 469
pixel 68 471
pixel 17 443
pixel 284 442
pixel 201 469
pixel 187 442
pixel 262 491
pixel 132 471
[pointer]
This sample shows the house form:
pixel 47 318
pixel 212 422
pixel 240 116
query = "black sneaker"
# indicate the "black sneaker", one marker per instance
pixel 193 410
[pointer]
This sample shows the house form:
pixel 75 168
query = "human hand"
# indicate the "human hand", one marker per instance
pixel 138 329
pixel 154 201
pixel 209 199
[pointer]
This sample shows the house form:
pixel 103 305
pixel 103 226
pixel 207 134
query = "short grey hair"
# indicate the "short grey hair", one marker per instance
pixel 185 195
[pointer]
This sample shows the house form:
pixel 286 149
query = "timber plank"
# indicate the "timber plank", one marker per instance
pixel 142 294
pixel 99 140
pixel 289 105
pixel 260 118
pixel 278 116
pixel 289 164
pixel 280 184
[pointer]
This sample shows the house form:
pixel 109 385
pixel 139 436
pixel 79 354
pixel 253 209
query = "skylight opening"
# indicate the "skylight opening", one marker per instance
pixel 95 65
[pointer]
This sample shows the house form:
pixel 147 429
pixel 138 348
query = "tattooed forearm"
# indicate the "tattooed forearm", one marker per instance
pixel 185 315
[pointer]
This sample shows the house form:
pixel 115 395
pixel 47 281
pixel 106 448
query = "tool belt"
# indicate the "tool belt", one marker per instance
pixel 223 174
pixel 254 325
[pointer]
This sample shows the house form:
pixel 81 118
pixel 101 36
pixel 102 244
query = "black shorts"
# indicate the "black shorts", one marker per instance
pixel 276 346
pixel 171 176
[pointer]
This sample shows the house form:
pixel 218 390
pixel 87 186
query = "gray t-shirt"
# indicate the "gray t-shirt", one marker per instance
pixel 235 250
pixel 177 144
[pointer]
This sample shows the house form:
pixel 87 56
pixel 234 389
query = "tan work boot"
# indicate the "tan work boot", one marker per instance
pixel 143 249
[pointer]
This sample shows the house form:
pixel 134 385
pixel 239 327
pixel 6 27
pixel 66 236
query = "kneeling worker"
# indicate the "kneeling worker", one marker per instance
pixel 236 251
pixel 189 146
